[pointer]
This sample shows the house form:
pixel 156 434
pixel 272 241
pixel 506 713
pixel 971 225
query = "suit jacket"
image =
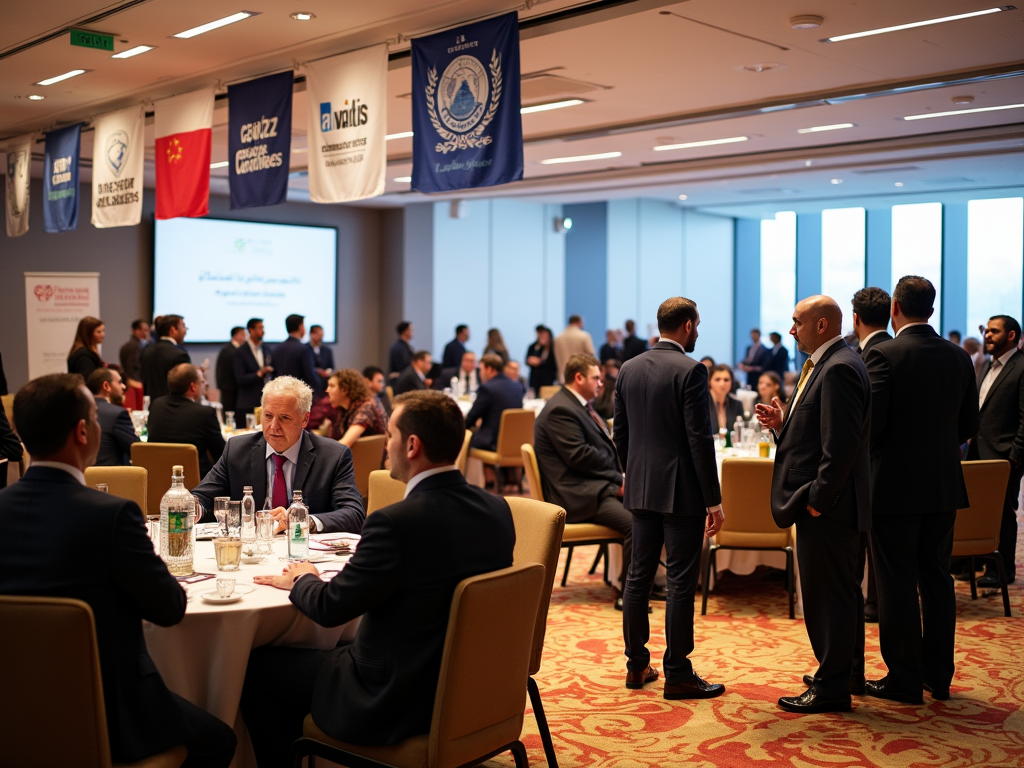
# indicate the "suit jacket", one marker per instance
pixel 225 371
pixel 571 341
pixel 869 345
pixel 10 445
pixel 1001 418
pixel 919 420
pixel 293 358
pixel 663 434
pixel 248 382
pixel 762 361
pixel 453 353
pixel 84 361
pixel 779 361
pixel 633 346
pixel 122 579
pixel 822 455
pixel 157 360
pixel 323 473
pixel 493 397
pixel 400 356
pixel 408 382
pixel 176 419
pixel 733 408
pixel 444 379
pixel 129 355
pixel 380 688
pixel 3 378
pixel 578 463
pixel 545 374
pixel 116 435
pixel 610 352
pixel 323 358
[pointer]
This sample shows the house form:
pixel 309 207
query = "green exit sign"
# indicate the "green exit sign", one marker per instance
pixel 87 39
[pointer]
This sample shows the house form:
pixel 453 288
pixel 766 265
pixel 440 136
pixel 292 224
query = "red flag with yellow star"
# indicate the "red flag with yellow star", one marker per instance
pixel 183 126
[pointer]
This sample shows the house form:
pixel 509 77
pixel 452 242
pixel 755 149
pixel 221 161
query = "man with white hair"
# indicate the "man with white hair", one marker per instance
pixel 284 458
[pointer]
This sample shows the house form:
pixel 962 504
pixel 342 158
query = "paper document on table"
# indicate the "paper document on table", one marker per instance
pixel 339 543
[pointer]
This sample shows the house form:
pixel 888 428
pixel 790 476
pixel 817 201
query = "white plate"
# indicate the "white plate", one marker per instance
pixel 214 597
pixel 254 560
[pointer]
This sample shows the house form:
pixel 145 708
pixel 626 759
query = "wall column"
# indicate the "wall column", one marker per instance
pixel 747 283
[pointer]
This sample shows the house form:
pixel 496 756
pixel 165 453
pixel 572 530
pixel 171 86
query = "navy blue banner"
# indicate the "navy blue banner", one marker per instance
pixel 259 140
pixel 467 130
pixel 60 179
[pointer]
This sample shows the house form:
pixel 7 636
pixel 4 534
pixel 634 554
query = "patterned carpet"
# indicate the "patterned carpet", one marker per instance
pixel 747 643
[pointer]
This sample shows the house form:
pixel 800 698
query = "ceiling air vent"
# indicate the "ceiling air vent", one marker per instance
pixel 888 169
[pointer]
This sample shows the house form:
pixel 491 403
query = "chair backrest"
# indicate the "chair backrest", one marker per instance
pixel 8 403
pixel 463 458
pixel 391 394
pixel 546 393
pixel 532 471
pixel 126 482
pixel 50 676
pixel 258 413
pixel 746 498
pixel 367 454
pixel 159 459
pixel 539 528
pixel 383 491
pixel 976 531
pixel 481 691
pixel 516 428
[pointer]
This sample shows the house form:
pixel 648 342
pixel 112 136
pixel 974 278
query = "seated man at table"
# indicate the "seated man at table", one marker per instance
pixel 497 393
pixel 284 458
pixel 91 546
pixel 179 417
pixel 380 689
pixel 116 431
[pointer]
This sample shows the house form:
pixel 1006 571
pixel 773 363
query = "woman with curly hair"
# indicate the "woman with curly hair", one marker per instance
pixel 356 412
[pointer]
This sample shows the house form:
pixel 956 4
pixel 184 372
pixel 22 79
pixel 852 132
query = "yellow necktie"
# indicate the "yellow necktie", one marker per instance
pixel 805 373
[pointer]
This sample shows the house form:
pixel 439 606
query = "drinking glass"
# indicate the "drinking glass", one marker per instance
pixel 102 487
pixel 220 511
pixel 229 421
pixel 234 509
pixel 250 421
pixel 265 525
pixel 228 552
pixel 153 529
pixel 225 587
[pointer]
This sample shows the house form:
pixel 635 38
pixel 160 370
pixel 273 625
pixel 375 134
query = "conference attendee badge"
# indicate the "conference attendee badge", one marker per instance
pixel 19 166
pixel 467 130
pixel 259 140
pixel 118 153
pixel 60 179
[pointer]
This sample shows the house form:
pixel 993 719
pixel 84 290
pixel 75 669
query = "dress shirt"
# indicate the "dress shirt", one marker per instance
pixel 910 325
pixel 992 375
pixel 861 344
pixel 815 359
pixel 670 341
pixel 75 472
pixel 417 479
pixel 468 381
pixel 578 396
pixel 257 352
pixel 423 376
pixel 288 468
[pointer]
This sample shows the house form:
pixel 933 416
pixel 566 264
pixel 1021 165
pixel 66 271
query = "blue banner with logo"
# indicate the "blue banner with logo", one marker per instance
pixel 259 140
pixel 467 130
pixel 60 179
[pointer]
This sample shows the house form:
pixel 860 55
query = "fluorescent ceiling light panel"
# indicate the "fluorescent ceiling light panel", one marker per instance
pixel 402 135
pixel 133 51
pixel 925 23
pixel 550 105
pixel 819 128
pixel 580 158
pixel 402 179
pixel 203 28
pixel 65 76
pixel 963 111
pixel 708 143
pixel 221 164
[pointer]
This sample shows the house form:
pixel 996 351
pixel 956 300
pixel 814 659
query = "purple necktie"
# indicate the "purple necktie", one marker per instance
pixel 280 497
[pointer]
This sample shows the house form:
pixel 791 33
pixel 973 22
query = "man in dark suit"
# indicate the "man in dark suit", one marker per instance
pixel 579 467
pixel 179 417
pixel 292 357
pixel 122 579
pixel 663 437
pixel 323 359
pixel 131 351
pixel 284 458
pixel 1001 429
pixel 400 356
pixel 251 365
pixel 610 350
pixel 756 359
pixel 496 394
pixel 380 689
pixel 779 361
pixel 116 431
pixel 455 350
pixel 631 345
pixel 158 358
pixel 821 482
pixel 415 375
pixel 466 373
pixel 919 420
pixel 225 369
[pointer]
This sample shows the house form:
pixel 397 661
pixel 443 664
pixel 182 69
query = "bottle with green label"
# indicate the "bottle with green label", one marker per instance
pixel 177 511
pixel 297 532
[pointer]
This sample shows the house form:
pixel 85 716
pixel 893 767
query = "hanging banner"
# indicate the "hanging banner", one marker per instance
pixel 259 140
pixel 347 97
pixel 183 125
pixel 117 167
pixel 54 303
pixel 467 130
pixel 60 179
pixel 19 167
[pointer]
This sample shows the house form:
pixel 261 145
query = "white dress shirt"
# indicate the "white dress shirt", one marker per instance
pixel 993 374
pixel 417 479
pixel 75 472
pixel 910 325
pixel 869 337
pixel 815 359
pixel 257 352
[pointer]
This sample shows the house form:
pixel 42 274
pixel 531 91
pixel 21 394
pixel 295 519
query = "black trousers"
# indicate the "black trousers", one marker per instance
pixel 682 536
pixel 210 742
pixel 911 554
pixel 276 697
pixel 1008 524
pixel 827 550
pixel 611 513
pixel 864 557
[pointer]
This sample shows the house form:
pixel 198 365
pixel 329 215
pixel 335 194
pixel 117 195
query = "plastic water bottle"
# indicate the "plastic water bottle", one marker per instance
pixel 177 509
pixel 456 387
pixel 248 520
pixel 298 529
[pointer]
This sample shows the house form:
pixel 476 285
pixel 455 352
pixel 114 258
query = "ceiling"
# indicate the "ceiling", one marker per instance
pixel 651 73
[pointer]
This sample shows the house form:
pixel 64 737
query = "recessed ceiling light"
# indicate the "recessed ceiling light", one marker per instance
pixel 402 179
pixel 837 181
pixel 707 143
pixel 133 51
pixel 925 23
pixel 682 197
pixel 899 184
pixel 550 105
pixel 961 100
pixel 581 158
pixel 221 164
pixel 963 111
pixel 303 16
pixel 210 26
pixel 402 135
pixel 806 22
pixel 65 76
pixel 819 128
pixel 766 66
pixel 35 97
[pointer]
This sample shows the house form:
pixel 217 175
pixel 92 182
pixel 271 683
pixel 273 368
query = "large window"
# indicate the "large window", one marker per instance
pixel 778 276
pixel 995 260
pixel 842 258
pixel 917 247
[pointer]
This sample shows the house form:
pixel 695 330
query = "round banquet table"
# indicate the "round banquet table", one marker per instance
pixel 474 467
pixel 203 658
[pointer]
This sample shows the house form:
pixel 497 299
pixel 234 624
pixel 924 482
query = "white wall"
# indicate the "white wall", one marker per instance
pixel 708 278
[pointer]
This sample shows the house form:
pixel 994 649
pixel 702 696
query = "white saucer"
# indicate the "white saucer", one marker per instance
pixel 254 559
pixel 214 597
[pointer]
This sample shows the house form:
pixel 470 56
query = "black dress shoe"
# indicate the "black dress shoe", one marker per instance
pixel 659 593
pixel 810 703
pixel 880 690
pixel 871 614
pixel 856 684
pixel 938 692
pixel 636 680
pixel 618 606
pixel 694 688
pixel 991 580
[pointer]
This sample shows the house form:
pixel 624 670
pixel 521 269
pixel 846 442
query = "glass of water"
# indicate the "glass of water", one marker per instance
pixel 220 511
pixel 250 421
pixel 265 525
pixel 234 510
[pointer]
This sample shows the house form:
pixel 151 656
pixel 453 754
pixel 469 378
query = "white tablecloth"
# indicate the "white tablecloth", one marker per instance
pixel 474 467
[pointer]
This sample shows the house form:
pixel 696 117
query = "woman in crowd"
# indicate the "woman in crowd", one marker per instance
pixel 357 413
pixel 604 403
pixel 84 357
pixel 769 385
pixel 725 406
pixel 496 346
pixel 541 358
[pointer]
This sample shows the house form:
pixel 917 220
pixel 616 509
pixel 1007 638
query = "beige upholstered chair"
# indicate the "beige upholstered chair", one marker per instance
pixel 539 527
pixel 746 497
pixel 159 459
pixel 258 413
pixel 546 393
pixel 480 701
pixel 515 428
pixel 976 531
pixel 463 458
pixel 126 482
pixel 383 490
pixel 367 456
pixel 576 534
pixel 50 668
pixel 390 391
